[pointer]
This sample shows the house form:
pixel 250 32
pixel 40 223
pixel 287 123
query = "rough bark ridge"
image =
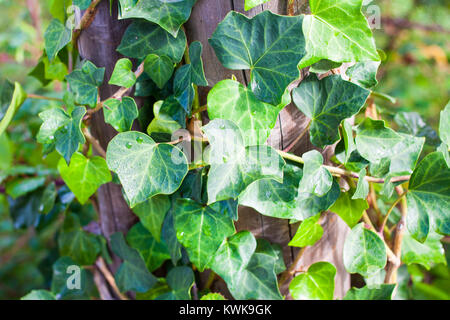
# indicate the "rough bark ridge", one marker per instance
pixel 98 43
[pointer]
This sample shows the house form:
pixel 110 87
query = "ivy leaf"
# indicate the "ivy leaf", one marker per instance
pixel 10 103
pixel 384 292
pixel 196 63
pixel 84 176
pixel 180 280
pixel 309 232
pixel 153 252
pixel 152 212
pixel 428 198
pixel 143 38
pixel 350 210
pixel 364 251
pixel 213 296
pixel 123 74
pixel 48 198
pixel 39 295
pixel 346 151
pixel 6 93
pixel 316 179
pixel 250 4
pixel 84 82
pixel 364 74
pixel 132 273
pixel 249 274
pixel 230 100
pixel 315 284
pixel 428 253
pixel 234 166
pixel 201 230
pixel 144 167
pixel 327 102
pixel 444 125
pixel 120 114
pixel 362 188
pixel 268 44
pixel 20 187
pixel 169 116
pixel 56 37
pixel 383 146
pixel 69 137
pixel 337 31
pixel 82 4
pixel 159 69
pixel 74 242
pixel 169 235
pixel 170 15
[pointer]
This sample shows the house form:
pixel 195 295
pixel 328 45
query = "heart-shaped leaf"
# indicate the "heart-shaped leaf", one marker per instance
pixel 159 69
pixel 123 74
pixel 120 114
pixel 57 36
pixel 315 284
pixel 84 82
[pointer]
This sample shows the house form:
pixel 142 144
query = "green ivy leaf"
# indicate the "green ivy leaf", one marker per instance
pixel 250 4
pixel 428 198
pixel 364 251
pixel 337 31
pixel 144 167
pixel 444 125
pixel 327 102
pixel 362 188
pixel 80 246
pixel 230 100
pixel 82 4
pixel 143 38
pixel 167 117
pixel 428 253
pixel 152 251
pixel 20 187
pixel 84 82
pixel 55 70
pixel 268 44
pixel 169 235
pixel 39 295
pixel 309 232
pixel 14 102
pixel 123 74
pixel 234 166
pixel 201 230
pixel 152 212
pixel 120 114
pixel 170 15
pixel 315 284
pixel 383 146
pixel 249 274
pixel 316 179
pixel 69 137
pixel 132 273
pixel 350 210
pixel 84 176
pixel 48 198
pixel 56 37
pixel 180 281
pixel 384 292
pixel 159 69
pixel 346 151
pixel 213 296
pixel 364 74
pixel 6 93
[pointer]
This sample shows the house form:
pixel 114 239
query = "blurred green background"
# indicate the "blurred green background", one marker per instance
pixel 414 35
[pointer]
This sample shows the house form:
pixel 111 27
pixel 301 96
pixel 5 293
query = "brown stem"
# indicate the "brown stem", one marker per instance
pixel 85 21
pixel 94 142
pixel 304 131
pixel 292 269
pixel 100 263
pixel 383 224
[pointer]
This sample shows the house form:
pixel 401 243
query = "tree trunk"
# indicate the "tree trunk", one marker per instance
pixel 98 44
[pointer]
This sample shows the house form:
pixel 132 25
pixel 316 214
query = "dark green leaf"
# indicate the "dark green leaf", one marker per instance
pixel 84 82
pixel 22 186
pixel 159 69
pixel 57 36
pixel 364 74
pixel 383 293
pixel 152 212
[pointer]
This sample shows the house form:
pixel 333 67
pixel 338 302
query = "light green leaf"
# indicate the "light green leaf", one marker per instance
pixel 315 284
pixel 316 179
pixel 84 176
pixel 364 74
pixel 346 152
pixel 364 251
pixel 201 230
pixel 383 293
pixel 55 70
pixel 152 212
pixel 159 69
pixel 444 125
pixel 132 273
pixel 123 74
pixel 350 210
pixel 213 296
pixel 249 274
pixel 170 15
pixel 230 100
pixel 167 117
pixel 143 38
pixel 56 37
pixel 22 186
pixel 74 242
pixel 144 167
pixel 427 254
pixel 120 114
pixel 309 232
pixel 268 44
pixel 153 252
pixel 84 82
pixel 362 188
pixel 250 4
pixel 337 31
pixel 39 295
pixel 15 101
pixel 234 166
pixel 428 198
pixel 327 102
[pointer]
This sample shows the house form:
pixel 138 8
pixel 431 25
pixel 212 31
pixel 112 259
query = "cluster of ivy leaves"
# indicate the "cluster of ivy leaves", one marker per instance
pixel 187 206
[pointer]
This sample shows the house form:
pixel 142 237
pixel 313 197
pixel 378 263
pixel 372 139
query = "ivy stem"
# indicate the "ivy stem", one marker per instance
pixel 94 142
pixel 201 109
pixel 292 269
pixel 373 198
pixel 39 97
pixel 211 279
pixel 100 263
pixel 383 224
pixel 300 136
pixel 85 21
